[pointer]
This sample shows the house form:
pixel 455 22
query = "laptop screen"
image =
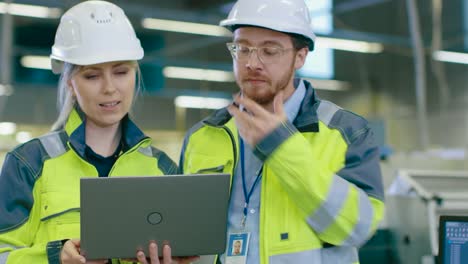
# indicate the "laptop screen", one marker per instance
pixel 453 239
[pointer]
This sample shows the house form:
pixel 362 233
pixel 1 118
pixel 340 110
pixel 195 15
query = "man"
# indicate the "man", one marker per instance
pixel 306 183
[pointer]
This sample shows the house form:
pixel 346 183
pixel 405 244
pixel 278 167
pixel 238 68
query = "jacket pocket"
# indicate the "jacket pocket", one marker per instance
pixel 215 169
pixel 285 227
pixel 60 214
pixel 198 163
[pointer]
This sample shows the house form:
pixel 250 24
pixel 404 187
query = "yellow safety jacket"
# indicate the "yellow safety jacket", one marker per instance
pixel 40 188
pixel 321 195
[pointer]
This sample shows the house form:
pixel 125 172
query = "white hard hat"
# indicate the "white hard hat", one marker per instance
pixel 94 32
pixel 288 16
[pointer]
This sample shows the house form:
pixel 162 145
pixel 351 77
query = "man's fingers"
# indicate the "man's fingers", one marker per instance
pixel 80 259
pixel 71 252
pixel 244 121
pixel 233 109
pixel 250 105
pixel 76 242
pixel 256 122
pixel 141 257
pixel 243 117
pixel 153 251
pixel 167 254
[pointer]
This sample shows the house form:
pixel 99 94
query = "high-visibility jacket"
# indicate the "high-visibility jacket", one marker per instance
pixel 321 195
pixel 40 191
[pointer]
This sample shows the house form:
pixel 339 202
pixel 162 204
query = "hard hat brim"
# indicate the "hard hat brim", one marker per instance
pixel 134 55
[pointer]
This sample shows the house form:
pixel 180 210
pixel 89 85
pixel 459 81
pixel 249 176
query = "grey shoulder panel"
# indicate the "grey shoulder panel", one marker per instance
pixel 362 166
pixel 21 169
pixel 53 144
pixel 348 123
pixel 147 151
pixel 326 110
pixel 165 164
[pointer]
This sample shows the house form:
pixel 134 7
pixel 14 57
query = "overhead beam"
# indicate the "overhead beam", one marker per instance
pixel 139 11
pixel 370 37
pixel 184 47
pixel 353 5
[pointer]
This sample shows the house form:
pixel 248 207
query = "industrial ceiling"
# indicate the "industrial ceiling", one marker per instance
pixel 389 74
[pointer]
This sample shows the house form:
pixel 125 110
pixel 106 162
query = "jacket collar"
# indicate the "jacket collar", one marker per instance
pixel 306 120
pixel 75 128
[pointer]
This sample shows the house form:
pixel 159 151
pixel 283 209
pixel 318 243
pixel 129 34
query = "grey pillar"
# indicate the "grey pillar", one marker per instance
pixel 465 27
pixel 6 57
pixel 420 73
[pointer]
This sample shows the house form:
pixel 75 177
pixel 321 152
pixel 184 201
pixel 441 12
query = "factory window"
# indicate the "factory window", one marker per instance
pixel 319 63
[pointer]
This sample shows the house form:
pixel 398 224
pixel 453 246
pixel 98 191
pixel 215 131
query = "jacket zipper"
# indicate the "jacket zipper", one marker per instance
pixel 125 153
pixel 233 141
pixel 234 148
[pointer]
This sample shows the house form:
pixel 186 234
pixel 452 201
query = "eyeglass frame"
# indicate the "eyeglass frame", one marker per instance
pixel 231 46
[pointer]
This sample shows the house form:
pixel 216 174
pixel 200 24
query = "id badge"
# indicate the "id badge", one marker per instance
pixel 238 245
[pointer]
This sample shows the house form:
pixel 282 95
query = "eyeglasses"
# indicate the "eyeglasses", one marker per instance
pixel 267 54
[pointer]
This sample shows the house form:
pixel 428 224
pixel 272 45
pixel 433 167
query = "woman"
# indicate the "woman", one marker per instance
pixel 96 52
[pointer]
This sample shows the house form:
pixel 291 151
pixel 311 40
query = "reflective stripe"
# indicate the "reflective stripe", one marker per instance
pixel 3 257
pixel 340 255
pixel 362 229
pixel 165 164
pixel 326 110
pixel 333 255
pixel 146 151
pixel 12 247
pixel 326 214
pixel 52 144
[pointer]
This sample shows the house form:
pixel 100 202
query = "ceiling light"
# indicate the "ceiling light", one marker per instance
pixel 331 85
pixel 201 102
pixel 450 56
pixel 30 10
pixel 349 45
pixel 185 27
pixel 7 128
pixel 23 136
pixel 6 90
pixel 37 62
pixel 198 74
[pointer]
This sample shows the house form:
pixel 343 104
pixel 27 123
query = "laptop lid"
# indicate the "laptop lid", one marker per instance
pixel 453 239
pixel 122 214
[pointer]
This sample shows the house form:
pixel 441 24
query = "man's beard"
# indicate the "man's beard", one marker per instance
pixel 266 98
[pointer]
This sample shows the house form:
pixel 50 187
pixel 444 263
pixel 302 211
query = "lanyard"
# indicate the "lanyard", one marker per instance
pixel 247 194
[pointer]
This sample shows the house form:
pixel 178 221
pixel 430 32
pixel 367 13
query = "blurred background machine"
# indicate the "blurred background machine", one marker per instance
pixel 415 201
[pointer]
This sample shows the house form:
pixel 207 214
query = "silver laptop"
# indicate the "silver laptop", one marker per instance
pixel 122 214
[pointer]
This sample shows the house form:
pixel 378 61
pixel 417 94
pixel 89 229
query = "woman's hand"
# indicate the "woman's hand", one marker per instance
pixel 166 257
pixel 70 254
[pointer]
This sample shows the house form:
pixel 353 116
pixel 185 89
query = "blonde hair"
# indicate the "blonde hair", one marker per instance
pixel 66 101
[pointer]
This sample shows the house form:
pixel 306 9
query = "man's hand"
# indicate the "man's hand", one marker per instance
pixel 254 122
pixel 70 254
pixel 166 258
